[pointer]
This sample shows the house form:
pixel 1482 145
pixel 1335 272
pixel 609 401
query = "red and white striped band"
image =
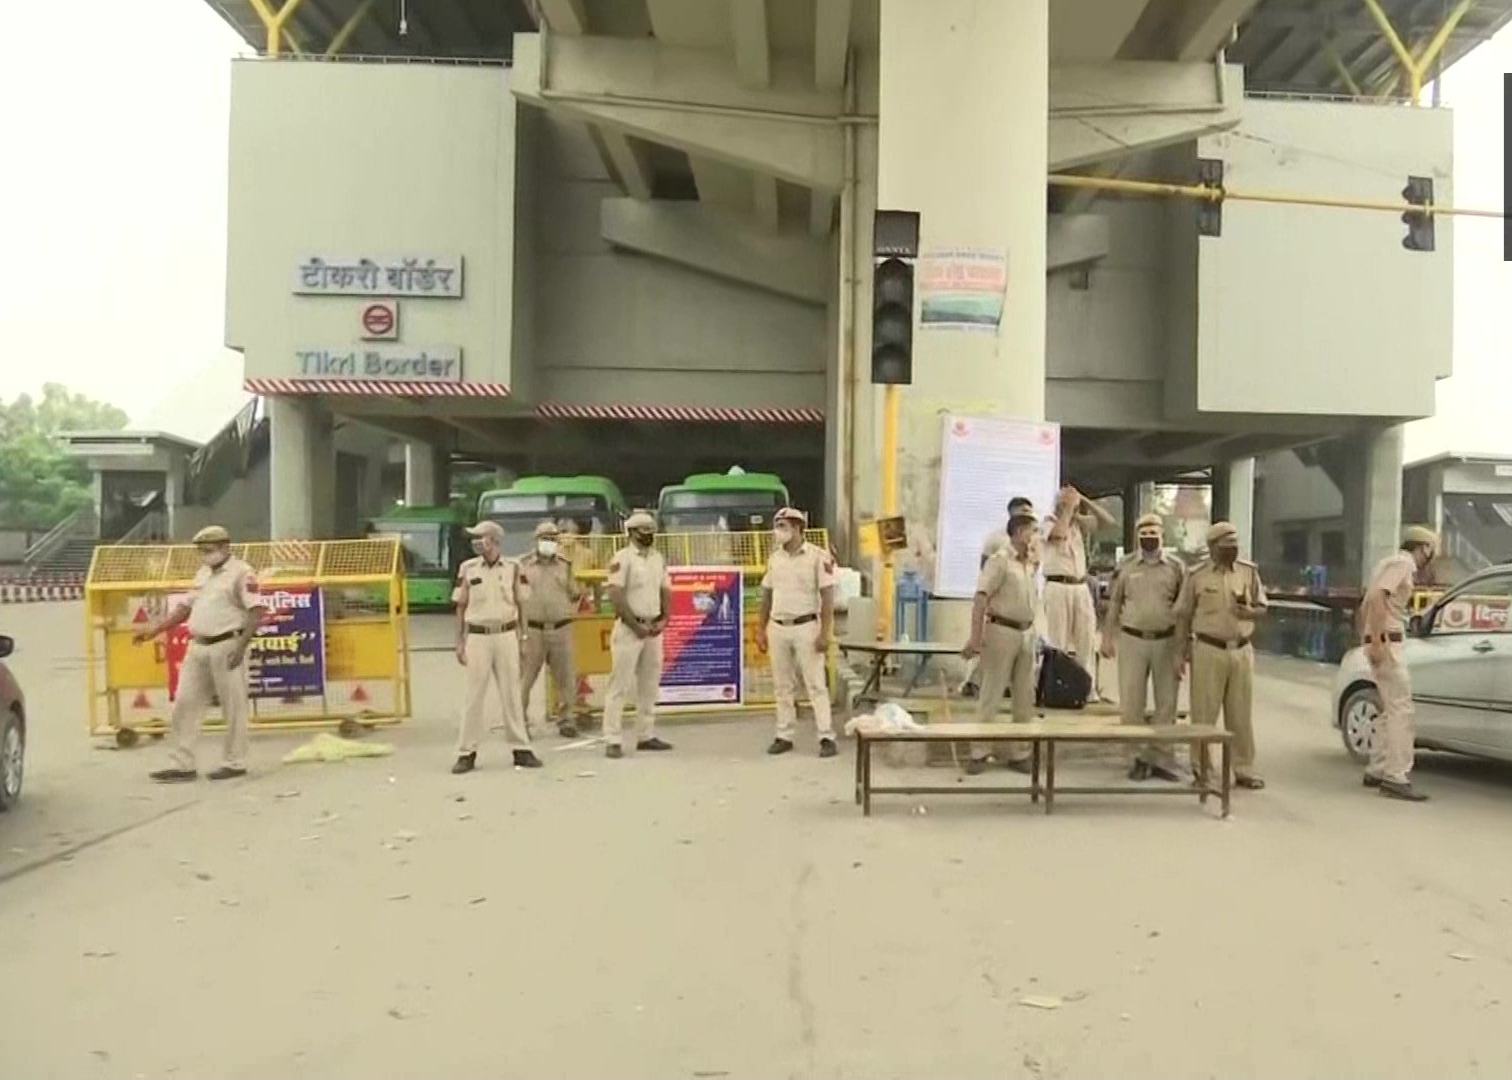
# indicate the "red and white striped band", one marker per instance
pixel 17 593
pixel 376 388
pixel 552 410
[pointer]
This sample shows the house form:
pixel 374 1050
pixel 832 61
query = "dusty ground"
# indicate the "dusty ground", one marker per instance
pixel 717 913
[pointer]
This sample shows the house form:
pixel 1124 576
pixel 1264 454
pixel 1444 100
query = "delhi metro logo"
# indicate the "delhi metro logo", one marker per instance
pixel 380 320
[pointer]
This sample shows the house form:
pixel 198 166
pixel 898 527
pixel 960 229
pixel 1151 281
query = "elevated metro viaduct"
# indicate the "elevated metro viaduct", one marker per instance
pixel 663 209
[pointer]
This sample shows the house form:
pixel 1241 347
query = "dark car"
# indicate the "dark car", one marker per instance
pixel 12 730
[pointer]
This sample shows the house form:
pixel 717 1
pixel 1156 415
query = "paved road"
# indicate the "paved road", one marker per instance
pixel 717 913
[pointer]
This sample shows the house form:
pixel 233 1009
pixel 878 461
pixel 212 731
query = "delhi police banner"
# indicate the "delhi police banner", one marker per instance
pixel 286 658
pixel 703 644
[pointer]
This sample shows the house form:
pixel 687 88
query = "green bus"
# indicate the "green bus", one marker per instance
pixel 435 543
pixel 592 504
pixel 736 501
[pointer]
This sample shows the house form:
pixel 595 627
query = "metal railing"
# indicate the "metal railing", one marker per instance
pixel 150 528
pixel 81 522
pixel 377 58
pixel 226 458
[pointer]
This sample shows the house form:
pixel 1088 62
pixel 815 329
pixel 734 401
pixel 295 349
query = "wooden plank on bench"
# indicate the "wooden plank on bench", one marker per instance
pixel 1057 730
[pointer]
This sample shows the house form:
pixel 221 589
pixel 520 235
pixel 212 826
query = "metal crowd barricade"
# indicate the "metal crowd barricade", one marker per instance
pixel 335 650
pixel 746 551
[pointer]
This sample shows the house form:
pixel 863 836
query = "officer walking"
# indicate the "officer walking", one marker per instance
pixel 1070 615
pixel 1218 606
pixel 550 601
pixel 642 597
pixel 1383 624
pixel 488 646
pixel 223 611
pixel 1002 633
pixel 797 618
pixel 1140 628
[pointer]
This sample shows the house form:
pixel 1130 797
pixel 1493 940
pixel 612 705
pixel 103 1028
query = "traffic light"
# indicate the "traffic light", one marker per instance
pixel 1418 192
pixel 895 245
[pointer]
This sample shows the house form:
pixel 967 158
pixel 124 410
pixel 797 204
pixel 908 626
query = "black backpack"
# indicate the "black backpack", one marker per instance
pixel 1063 683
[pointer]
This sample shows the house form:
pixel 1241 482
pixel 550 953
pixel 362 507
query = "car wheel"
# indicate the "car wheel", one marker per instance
pixel 1358 721
pixel 12 759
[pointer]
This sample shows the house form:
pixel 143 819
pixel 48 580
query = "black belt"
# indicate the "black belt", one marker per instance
pixel 1149 635
pixel 216 639
pixel 1220 643
pixel 799 621
pixel 1062 579
pixel 1392 635
pixel 474 628
pixel 1012 624
pixel 645 623
pixel 548 625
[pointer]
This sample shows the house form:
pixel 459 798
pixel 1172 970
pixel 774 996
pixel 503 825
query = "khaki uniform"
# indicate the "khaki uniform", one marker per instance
pixel 550 600
pixel 1391 751
pixel 493 651
pixel 1142 619
pixel 1223 660
pixel 796 580
pixel 1008 644
pixel 1070 615
pixel 218 607
pixel 637 662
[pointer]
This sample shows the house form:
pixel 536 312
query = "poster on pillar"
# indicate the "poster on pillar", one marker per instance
pixel 962 288
pixel 985 462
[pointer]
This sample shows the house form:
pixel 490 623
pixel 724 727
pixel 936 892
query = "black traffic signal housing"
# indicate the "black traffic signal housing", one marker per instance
pixel 1418 192
pixel 892 320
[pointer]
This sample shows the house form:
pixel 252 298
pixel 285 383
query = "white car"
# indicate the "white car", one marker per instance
pixel 1459 657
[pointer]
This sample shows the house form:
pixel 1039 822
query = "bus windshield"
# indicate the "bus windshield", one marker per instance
pixel 718 511
pixel 519 514
pixel 424 543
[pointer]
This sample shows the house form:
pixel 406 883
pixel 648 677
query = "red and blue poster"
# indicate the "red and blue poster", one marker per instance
pixel 285 659
pixel 704 642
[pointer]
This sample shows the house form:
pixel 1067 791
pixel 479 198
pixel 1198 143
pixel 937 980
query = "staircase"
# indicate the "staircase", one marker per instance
pixel 234 451
pixel 69 560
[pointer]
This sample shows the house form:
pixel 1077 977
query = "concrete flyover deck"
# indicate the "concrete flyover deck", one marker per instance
pixel 715 912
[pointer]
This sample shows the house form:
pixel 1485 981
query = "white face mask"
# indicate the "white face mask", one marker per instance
pixel 782 534
pixel 214 559
pixel 547 548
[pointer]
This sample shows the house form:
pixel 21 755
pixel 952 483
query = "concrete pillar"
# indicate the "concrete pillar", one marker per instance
pixel 1241 502
pixel 1372 493
pixel 974 77
pixel 173 494
pixel 322 473
pixel 427 474
pixel 370 500
pixel 291 512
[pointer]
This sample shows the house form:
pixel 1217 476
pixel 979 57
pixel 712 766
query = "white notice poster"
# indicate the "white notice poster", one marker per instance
pixel 986 462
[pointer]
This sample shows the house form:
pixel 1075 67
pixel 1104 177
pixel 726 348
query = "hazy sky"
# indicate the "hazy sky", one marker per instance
pixel 114 233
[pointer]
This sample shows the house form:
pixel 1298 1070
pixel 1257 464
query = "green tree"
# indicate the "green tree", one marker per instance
pixel 40 484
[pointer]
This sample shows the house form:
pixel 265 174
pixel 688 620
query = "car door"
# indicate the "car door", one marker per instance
pixel 1461 667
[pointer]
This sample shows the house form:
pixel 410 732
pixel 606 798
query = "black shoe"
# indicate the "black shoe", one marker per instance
pixel 1370 781
pixel 827 748
pixel 174 776
pixel 1021 765
pixel 465 763
pixel 526 759
pixel 974 766
pixel 227 772
pixel 614 750
pixel 1406 792
pixel 1140 771
pixel 779 746
pixel 653 743
pixel 567 730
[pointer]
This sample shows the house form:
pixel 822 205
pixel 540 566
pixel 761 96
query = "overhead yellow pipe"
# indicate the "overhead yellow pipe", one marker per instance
pixel 1417 67
pixel 349 28
pixel 275 22
pixel 892 400
pixel 1219 195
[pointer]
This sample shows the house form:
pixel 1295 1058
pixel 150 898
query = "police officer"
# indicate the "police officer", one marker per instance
pixel 797 617
pixel 488 646
pixel 550 600
pixel 1070 615
pixel 1216 613
pixel 996 541
pixel 223 611
pixel 1002 633
pixel 1383 624
pixel 642 597
pixel 1140 627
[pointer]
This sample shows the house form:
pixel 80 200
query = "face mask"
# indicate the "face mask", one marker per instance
pixel 1227 554
pixel 782 534
pixel 1149 544
pixel 643 538
pixel 547 548
pixel 214 559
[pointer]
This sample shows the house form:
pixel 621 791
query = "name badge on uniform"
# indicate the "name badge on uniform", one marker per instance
pixel 475 581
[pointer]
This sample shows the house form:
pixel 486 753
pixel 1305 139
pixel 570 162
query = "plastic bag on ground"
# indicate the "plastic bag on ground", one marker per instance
pixel 887 718
pixel 328 747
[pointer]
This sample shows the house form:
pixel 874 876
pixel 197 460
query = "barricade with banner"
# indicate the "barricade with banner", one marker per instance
pixel 711 660
pixel 334 649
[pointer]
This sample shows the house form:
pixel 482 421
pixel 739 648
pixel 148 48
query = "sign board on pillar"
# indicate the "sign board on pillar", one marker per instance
pixel 399 363
pixel 962 289
pixel 379 321
pixel 435 276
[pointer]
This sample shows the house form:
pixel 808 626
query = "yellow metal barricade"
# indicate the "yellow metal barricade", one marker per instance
pixel 745 551
pixel 347 594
